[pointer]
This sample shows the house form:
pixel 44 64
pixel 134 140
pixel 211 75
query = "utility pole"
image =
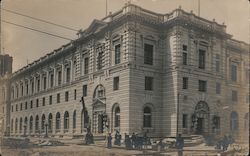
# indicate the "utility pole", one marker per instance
pixel 106 7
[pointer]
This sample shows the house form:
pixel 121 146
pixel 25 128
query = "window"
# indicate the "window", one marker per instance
pixel 21 89
pixel 20 125
pixel 32 87
pixel 74 119
pixel 16 107
pixel 184 54
pixel 184 120
pixel 234 73
pixel 202 59
pixel 67 75
pixel 217 63
pixel 86 65
pixel 148 54
pixel 117 54
pixel 51 80
pixel 37 124
pixel 38 85
pixel 37 102
pixel 43 101
pixel 27 89
pixel 26 105
pixel 66 96
pixel 50 123
pixel 218 88
pixel 117 117
pixel 234 124
pixel 58 98
pixel 185 83
pixel 75 93
pixel 84 90
pixel 246 122
pixel 147 117
pixel 66 121
pixel 31 124
pixel 50 99
pixel 43 123
pixel 59 78
pixel 234 95
pixel 100 57
pixel 21 106
pixel 58 121
pixel 149 83
pixel 116 83
pixel 44 82
pixel 202 86
pixel 31 104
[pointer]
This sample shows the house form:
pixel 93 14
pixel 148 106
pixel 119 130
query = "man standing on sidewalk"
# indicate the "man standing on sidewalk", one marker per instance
pixel 179 145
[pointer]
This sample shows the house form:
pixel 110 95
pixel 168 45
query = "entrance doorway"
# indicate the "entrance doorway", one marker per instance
pixel 199 128
pixel 200 118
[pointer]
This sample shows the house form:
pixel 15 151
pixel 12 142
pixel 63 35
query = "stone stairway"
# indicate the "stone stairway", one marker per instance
pixel 193 140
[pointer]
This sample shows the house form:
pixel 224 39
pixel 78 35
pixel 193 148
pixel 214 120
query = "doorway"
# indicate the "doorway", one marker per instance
pixel 199 128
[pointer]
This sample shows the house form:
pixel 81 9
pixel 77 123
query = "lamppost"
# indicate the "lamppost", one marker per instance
pixel 24 129
pixel 46 130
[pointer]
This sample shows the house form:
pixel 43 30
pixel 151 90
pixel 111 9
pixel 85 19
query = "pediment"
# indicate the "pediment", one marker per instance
pixel 95 26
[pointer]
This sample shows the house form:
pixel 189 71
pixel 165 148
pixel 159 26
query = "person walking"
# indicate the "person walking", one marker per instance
pixel 179 145
pixel 109 141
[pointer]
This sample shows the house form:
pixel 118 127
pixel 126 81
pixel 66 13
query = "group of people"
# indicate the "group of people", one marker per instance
pixel 89 138
pixel 224 143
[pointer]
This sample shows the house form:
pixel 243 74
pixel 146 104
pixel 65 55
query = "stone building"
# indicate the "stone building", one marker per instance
pixel 137 71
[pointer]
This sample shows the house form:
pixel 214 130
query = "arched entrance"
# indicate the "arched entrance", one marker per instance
pixel 200 118
pixel 99 110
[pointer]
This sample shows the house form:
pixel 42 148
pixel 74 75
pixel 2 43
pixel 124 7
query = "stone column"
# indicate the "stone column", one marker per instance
pixel 71 71
pixel 54 83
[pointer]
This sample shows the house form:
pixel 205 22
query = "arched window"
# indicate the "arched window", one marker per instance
pixel 31 124
pixel 43 123
pixel 16 124
pixel 147 117
pixel 58 121
pixel 20 125
pixel 74 121
pixel 246 119
pixel 234 126
pixel 12 124
pixel 117 117
pixel 37 124
pixel 50 119
pixel 25 124
pixel 66 121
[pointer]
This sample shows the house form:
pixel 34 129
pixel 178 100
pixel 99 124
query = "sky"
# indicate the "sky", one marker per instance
pixel 25 46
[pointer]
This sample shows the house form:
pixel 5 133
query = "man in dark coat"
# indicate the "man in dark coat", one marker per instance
pixel 109 141
pixel 133 138
pixel 180 145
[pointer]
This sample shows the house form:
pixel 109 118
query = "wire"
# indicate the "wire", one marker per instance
pixel 29 28
pixel 38 19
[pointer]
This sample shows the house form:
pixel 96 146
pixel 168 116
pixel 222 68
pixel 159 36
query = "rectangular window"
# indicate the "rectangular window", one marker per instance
pixel 218 88
pixel 86 65
pixel 32 87
pixel 202 59
pixel 59 78
pixel 184 54
pixel 44 82
pixel 84 90
pixel 184 120
pixel 21 90
pixel 75 94
pixel 27 89
pixel 185 83
pixel 50 99
pixel 148 54
pixel 117 54
pixel 43 101
pixel 26 105
pixel 149 83
pixel 58 98
pixel 67 75
pixel 37 102
pixel 16 107
pixel 21 106
pixel 234 73
pixel 31 104
pixel 234 95
pixel 202 86
pixel 51 80
pixel 100 60
pixel 38 85
pixel 217 63
pixel 116 83
pixel 66 96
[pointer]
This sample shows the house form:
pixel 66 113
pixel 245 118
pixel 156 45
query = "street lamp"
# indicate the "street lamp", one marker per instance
pixel 46 130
